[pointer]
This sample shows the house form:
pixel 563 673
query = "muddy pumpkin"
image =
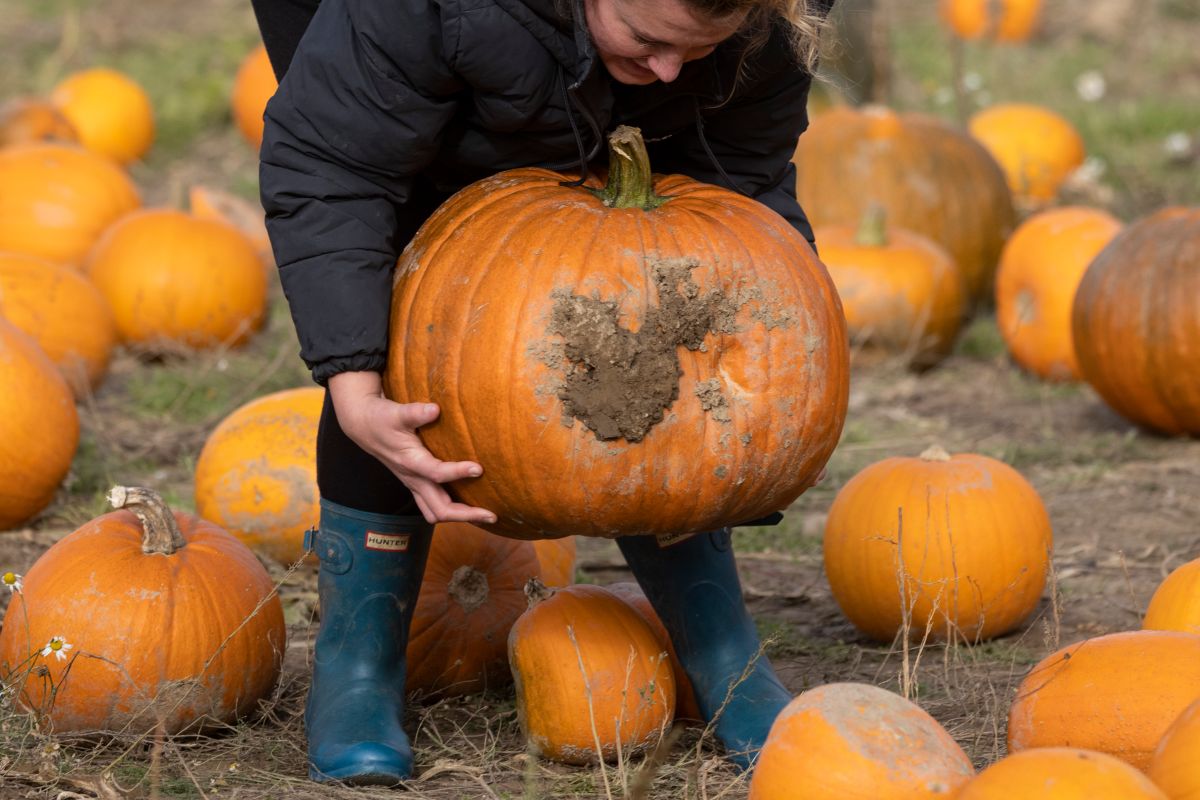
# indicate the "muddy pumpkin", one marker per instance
pixel 674 352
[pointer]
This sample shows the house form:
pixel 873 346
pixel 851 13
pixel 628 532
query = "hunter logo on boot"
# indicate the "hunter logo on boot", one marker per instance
pixel 668 539
pixel 395 542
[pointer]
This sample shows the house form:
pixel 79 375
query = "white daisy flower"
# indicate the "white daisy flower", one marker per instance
pixel 12 580
pixel 58 646
pixel 1091 86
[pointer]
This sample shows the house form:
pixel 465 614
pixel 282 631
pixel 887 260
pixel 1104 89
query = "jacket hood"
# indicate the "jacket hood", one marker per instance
pixel 561 27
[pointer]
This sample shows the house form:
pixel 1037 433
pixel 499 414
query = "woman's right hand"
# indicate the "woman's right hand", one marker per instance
pixel 388 431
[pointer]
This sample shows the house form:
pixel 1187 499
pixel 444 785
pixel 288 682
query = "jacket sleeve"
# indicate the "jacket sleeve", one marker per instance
pixel 356 118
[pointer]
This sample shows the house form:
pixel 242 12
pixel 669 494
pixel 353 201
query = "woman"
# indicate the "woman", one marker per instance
pixel 385 108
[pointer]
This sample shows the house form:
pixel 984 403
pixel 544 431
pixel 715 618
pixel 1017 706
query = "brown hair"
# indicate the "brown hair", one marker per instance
pixel 804 23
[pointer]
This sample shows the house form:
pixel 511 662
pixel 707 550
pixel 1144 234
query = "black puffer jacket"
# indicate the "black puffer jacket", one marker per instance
pixel 389 106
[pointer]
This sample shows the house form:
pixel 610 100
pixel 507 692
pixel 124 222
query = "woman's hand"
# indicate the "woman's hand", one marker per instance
pixel 388 431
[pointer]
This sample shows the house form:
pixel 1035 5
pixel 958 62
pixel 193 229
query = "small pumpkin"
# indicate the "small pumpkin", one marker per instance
pixel 56 199
pixel 929 178
pixel 31 119
pixel 950 547
pixel 853 740
pixel 110 112
pixel 1037 148
pixel 1084 695
pixel 207 202
pixel 1135 322
pixel 157 616
pixel 253 86
pixel 591 677
pixel 673 333
pixel 901 292
pixel 1174 767
pixel 1040 269
pixel 64 312
pixel 175 281
pixel 1010 21
pixel 1061 773
pixel 1175 605
pixel 39 428
pixel 256 476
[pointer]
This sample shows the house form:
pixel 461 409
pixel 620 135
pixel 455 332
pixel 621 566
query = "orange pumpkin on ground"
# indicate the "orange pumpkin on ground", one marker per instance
pixel 472 593
pixel 64 312
pixel 31 119
pixel 252 88
pixel 175 281
pixel 1040 269
pixel 735 398
pixel 205 202
pixel 110 112
pixel 1175 605
pixel 953 547
pixel 56 199
pixel 557 558
pixel 686 706
pixel 155 615
pixel 1135 322
pixel 256 476
pixel 1083 695
pixel 591 677
pixel 1060 773
pixel 39 428
pixel 853 741
pixel 1037 148
pixel 997 20
pixel 1174 767
pixel 901 292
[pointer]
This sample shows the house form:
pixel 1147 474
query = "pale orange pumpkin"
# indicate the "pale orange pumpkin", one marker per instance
pixel 56 199
pixel 591 677
pixel 1135 322
pixel 175 281
pixel 734 401
pixel 31 119
pixel 901 292
pixel 853 740
pixel 1038 148
pixel 256 476
pixel 1060 773
pixel 169 620
pixel 39 428
pixel 252 88
pixel 997 20
pixel 930 178
pixel 64 312
pixel 1174 767
pixel 953 547
pixel 1175 605
pixel 109 110
pixel 1085 694
pixel 206 202
pixel 1040 269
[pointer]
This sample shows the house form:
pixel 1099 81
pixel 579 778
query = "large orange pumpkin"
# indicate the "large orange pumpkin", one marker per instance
pixel 252 88
pixel 256 476
pixel 1136 321
pixel 1037 148
pixel 169 619
pixel 591 677
pixel 175 281
pixel 853 740
pixel 1174 767
pixel 929 177
pixel 1040 269
pixel 472 593
pixel 109 110
pixel 64 312
pixel 1117 694
pixel 953 547
pixel 901 292
pixel 998 20
pixel 39 428
pixel 1175 605
pixel 31 119
pixel 56 199
pixel 1060 773
pixel 674 356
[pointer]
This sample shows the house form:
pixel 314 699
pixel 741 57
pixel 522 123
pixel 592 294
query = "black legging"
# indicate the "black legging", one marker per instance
pixel 348 475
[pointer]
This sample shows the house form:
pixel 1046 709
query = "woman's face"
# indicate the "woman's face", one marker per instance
pixel 643 41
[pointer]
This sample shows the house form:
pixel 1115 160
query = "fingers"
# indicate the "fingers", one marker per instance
pixel 437 506
pixel 410 416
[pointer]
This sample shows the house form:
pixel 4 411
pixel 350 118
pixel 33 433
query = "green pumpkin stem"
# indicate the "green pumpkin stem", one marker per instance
pixel 872 229
pixel 630 180
pixel 160 531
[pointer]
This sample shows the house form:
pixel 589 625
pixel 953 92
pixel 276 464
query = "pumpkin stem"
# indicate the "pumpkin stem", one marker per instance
pixel 536 591
pixel 630 180
pixel 935 453
pixel 160 531
pixel 872 230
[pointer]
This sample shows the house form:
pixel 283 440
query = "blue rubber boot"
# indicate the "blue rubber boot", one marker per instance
pixel 693 585
pixel 371 568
